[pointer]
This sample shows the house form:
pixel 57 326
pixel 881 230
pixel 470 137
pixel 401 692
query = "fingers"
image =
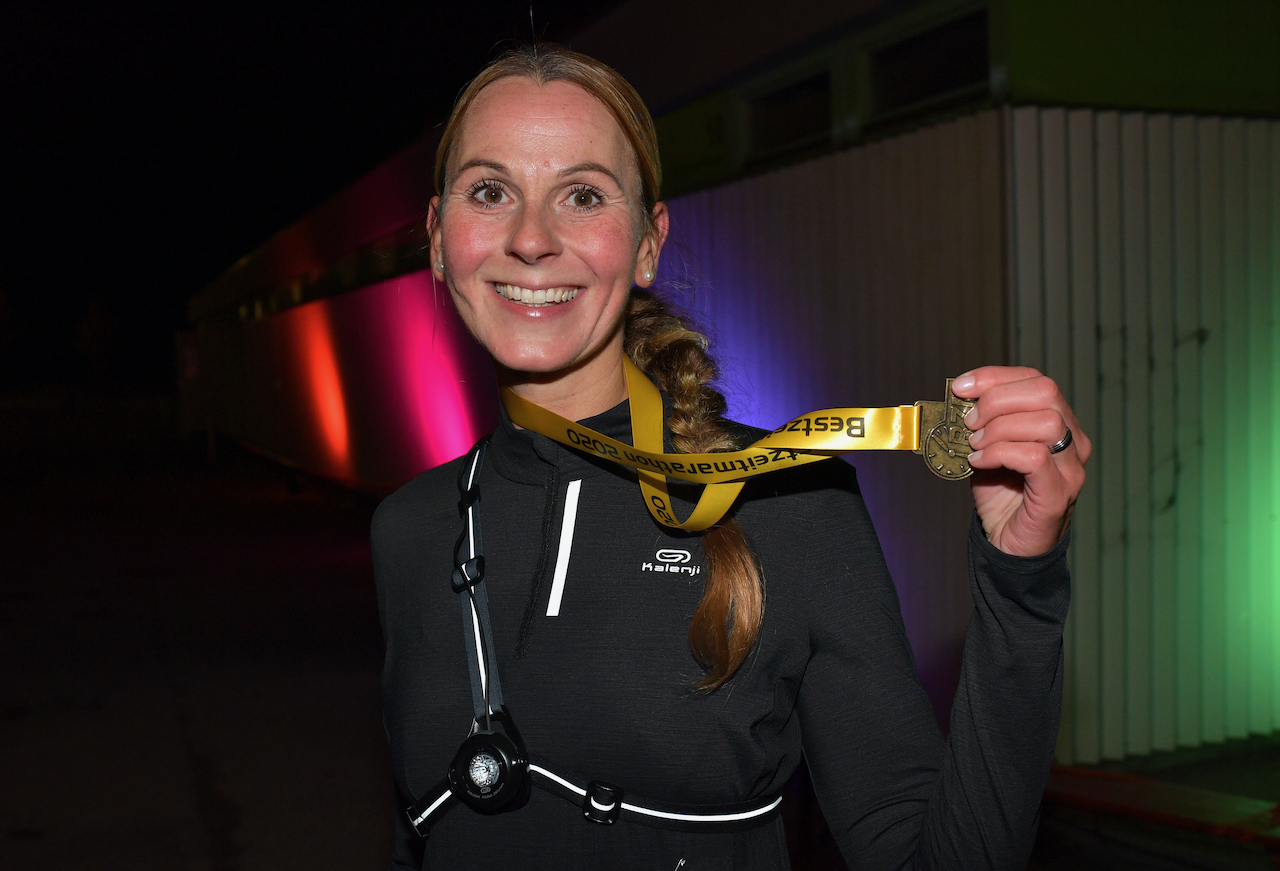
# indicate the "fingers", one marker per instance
pixel 1011 391
pixel 1033 460
pixel 1010 396
pixel 1044 426
pixel 976 382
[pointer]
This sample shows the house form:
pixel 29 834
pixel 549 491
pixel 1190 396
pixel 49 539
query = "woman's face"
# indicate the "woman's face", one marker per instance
pixel 541 230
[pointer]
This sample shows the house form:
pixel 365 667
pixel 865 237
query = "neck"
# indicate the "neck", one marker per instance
pixel 576 395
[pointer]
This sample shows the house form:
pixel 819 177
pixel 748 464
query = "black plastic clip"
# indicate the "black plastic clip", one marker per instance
pixel 468 486
pixel 602 803
pixel 468 573
pixel 431 805
pixel 468 497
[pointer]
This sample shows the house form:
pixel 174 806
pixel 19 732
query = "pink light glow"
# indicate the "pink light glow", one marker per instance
pixel 443 382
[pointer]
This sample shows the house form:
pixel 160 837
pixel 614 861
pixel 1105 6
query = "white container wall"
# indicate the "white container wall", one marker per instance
pixel 1134 257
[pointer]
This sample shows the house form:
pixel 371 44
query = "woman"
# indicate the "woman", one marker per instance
pixel 680 688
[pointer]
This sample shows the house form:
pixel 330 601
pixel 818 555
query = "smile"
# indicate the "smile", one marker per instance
pixel 525 296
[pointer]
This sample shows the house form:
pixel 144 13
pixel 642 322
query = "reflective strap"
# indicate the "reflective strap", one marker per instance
pixel 482 658
pixel 663 815
pixel 478 634
pixel 807 439
pixel 432 808
pixel 660 815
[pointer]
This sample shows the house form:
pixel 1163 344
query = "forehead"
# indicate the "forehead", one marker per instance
pixel 517 121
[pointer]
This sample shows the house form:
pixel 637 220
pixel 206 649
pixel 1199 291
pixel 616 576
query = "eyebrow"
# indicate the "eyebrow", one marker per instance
pixel 592 167
pixel 480 161
pixel 567 171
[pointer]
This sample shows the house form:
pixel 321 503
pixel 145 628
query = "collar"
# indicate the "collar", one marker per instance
pixel 526 457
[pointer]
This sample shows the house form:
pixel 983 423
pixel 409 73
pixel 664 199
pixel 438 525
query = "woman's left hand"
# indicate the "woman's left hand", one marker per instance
pixel 1024 493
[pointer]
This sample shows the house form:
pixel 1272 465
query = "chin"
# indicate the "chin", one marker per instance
pixel 535 363
pixel 552 360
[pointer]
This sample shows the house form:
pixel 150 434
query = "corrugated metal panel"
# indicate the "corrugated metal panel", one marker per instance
pixel 1212 433
pixel 1235 316
pixel 1262 437
pixel 1158 235
pixel 1110 437
pixel 1081 715
pixel 1273 264
pixel 1137 428
pixel 1187 431
pixel 1163 447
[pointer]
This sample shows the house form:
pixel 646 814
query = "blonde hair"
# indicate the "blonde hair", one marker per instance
pixel 724 628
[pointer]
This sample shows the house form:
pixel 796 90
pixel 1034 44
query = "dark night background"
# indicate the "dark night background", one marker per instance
pixel 146 147
pixel 189 633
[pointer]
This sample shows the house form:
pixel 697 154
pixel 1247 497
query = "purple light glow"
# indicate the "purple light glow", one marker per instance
pixel 782 353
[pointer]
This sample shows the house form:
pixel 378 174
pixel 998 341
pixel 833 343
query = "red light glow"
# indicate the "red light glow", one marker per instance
pixel 322 382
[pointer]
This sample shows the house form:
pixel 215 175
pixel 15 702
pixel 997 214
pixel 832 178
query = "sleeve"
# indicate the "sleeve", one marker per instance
pixel 893 792
pixel 396 541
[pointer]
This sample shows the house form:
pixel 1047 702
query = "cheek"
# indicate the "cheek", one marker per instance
pixel 466 244
pixel 610 249
pixel 478 316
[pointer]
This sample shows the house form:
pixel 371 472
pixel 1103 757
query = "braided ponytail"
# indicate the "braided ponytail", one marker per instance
pixel 725 625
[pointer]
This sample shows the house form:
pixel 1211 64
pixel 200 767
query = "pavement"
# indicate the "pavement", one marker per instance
pixel 190 651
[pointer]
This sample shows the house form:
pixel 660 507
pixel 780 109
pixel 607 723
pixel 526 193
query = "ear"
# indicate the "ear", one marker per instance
pixel 651 246
pixel 437 245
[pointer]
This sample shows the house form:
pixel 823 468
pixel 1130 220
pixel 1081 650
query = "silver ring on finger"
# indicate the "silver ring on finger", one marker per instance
pixel 1062 444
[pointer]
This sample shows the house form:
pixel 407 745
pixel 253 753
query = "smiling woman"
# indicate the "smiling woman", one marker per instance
pixel 672 711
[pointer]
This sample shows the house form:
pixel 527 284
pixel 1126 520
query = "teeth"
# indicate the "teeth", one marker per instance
pixel 525 296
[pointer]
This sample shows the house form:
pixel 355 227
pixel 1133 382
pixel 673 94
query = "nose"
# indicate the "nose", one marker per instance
pixel 533 236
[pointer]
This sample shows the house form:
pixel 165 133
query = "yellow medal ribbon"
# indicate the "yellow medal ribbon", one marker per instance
pixel 935 429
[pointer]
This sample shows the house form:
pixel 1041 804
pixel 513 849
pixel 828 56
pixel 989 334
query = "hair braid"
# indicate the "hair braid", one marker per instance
pixel 725 625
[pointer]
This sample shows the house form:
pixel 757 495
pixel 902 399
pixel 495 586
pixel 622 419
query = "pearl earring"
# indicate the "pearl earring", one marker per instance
pixel 648 276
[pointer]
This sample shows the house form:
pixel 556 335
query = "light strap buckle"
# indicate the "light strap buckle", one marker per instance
pixel 468 573
pixel 602 803
pixel 437 800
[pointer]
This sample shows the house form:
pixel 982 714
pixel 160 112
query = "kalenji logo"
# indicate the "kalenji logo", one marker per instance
pixel 671 559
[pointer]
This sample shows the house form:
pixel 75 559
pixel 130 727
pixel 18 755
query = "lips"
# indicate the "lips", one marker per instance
pixel 543 297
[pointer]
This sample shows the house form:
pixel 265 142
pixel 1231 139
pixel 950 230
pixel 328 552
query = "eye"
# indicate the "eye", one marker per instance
pixel 487 193
pixel 585 197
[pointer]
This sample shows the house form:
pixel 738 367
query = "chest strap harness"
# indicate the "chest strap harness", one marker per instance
pixel 492 771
